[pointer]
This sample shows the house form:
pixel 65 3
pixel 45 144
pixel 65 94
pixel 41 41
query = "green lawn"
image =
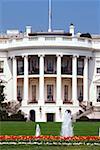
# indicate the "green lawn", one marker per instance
pixel 32 147
pixel 50 128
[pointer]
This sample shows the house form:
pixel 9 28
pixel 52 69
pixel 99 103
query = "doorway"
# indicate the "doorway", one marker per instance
pixel 50 117
pixel 32 115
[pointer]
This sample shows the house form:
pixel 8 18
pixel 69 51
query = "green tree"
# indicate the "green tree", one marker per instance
pixel 3 113
pixel 2 96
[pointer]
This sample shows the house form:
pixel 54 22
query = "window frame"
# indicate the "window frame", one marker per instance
pixel 97 66
pixel 1 66
pixel 97 93
pixel 50 92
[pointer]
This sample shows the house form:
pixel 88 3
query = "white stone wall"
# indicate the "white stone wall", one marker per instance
pixel 42 46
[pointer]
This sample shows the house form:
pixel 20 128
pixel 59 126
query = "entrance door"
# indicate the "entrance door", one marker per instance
pixel 50 117
pixel 32 115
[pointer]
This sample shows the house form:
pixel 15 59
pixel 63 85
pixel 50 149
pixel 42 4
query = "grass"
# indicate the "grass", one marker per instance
pixel 50 128
pixel 32 147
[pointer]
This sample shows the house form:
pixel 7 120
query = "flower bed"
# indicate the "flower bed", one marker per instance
pixel 50 140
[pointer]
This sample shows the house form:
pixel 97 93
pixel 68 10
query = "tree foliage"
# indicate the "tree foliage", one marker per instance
pixel 2 96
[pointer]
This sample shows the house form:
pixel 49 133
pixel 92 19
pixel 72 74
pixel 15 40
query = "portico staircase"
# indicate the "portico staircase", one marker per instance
pixel 13 107
pixel 89 111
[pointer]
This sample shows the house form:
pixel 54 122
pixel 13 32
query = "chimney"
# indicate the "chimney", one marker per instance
pixel 28 30
pixel 78 34
pixel 71 29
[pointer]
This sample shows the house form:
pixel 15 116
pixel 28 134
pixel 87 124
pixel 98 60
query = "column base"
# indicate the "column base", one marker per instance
pixel 41 102
pixel 24 103
pixel 76 103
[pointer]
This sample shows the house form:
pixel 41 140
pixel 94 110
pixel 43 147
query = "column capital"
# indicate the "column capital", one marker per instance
pixel 12 57
pixel 75 55
pixel 59 55
pixel 24 55
pixel 41 55
pixel 87 57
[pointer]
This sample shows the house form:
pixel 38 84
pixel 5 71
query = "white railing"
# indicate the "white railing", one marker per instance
pixel 46 41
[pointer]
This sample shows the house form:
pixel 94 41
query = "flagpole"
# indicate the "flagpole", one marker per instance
pixel 50 16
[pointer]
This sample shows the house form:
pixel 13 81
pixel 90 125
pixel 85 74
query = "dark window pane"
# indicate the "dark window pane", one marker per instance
pixel 20 66
pixel 33 65
pixel 50 92
pixel 1 66
pixel 66 65
pixel 98 93
pixel 98 70
pixel 80 66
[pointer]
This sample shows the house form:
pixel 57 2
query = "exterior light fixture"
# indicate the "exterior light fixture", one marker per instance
pixel 40 109
pixel 59 108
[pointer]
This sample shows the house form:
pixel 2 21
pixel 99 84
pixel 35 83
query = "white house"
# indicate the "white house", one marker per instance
pixel 50 72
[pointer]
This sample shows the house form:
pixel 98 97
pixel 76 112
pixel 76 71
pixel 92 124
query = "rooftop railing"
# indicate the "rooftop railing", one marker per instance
pixel 43 41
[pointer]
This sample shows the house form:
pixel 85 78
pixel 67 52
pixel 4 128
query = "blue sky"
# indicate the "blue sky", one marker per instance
pixel 84 14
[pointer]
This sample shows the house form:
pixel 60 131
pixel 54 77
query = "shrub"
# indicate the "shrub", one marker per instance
pixel 17 117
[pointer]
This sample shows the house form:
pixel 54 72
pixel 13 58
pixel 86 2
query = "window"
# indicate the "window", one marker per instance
pixel 98 93
pixel 50 117
pixel 1 66
pixel 80 66
pixel 98 70
pixel 50 64
pixel 33 92
pixel 19 92
pixel 66 65
pixel 33 65
pixel 50 92
pixel 65 92
pixel 98 67
pixel 20 66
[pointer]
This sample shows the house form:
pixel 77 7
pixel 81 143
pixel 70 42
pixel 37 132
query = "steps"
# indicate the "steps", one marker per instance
pixel 13 107
pixel 92 112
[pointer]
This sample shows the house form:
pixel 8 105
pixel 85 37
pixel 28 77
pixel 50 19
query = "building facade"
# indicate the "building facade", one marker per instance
pixel 49 72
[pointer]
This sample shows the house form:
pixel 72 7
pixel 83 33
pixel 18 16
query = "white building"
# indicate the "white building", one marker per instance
pixel 50 72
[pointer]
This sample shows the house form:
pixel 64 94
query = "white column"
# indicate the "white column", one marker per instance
pixel 41 80
pixel 58 85
pixel 14 79
pixel 74 80
pixel 85 81
pixel 25 100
